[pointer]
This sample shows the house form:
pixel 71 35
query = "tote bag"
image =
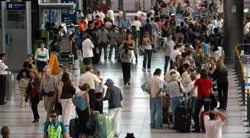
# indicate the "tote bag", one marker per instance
pixel 79 102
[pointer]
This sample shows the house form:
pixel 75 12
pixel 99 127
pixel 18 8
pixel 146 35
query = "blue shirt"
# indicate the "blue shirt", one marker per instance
pixel 206 48
pixel 56 126
pixel 124 23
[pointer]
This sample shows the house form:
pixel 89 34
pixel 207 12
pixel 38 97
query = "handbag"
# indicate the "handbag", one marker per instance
pixel 79 102
pixel 141 51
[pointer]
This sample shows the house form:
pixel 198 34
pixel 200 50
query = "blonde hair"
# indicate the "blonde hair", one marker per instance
pixel 221 66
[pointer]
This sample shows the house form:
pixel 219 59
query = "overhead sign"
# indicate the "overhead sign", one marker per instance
pixel 70 16
pixel 15 6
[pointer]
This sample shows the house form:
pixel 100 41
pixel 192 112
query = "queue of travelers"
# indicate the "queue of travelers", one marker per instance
pixel 190 36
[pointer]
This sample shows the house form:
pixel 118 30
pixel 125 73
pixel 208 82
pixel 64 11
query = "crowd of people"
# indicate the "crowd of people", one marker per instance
pixel 189 34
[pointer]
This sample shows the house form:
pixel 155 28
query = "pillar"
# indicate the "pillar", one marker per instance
pixel 233 27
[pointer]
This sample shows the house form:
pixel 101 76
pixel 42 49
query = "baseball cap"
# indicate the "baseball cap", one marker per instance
pixel 108 81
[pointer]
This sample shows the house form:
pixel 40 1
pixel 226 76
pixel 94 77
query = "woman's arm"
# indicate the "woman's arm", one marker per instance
pixel 86 97
pixel 60 85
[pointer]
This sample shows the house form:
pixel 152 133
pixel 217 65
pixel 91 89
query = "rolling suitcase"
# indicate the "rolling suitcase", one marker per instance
pixel 182 119
pixel 73 128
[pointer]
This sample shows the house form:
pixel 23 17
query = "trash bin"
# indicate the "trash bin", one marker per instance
pixel 10 86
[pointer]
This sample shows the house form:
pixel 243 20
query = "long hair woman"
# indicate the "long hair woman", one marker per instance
pixel 220 75
pixel 147 48
pixel 83 115
pixel 33 94
pixel 66 92
pixel 126 58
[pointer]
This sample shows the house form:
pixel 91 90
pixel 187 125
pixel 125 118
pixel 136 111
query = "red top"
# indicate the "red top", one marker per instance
pixel 204 87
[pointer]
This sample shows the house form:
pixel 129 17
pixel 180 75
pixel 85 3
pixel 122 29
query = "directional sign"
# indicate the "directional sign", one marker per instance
pixel 19 6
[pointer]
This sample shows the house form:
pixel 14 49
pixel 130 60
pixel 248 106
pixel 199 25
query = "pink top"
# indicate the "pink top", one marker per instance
pixel 160 24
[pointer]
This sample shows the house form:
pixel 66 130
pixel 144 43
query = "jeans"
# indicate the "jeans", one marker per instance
pixel 104 47
pixel 156 111
pixel 147 58
pixel 115 114
pixel 174 103
pixel 126 67
pixel 192 101
pixel 113 46
pixel 198 106
pixel 166 63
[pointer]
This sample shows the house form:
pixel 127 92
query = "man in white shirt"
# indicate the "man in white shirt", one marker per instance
pixel 91 79
pixel 137 24
pixel 214 120
pixel 87 51
pixel 110 14
pixel 3 69
pixel 154 89
pixel 175 52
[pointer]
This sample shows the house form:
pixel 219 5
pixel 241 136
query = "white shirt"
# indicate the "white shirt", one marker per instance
pixel 101 15
pixel 89 78
pixel 137 25
pixel 110 14
pixel 154 84
pixel 87 47
pixel 42 55
pixel 174 53
pixel 168 47
pixel 213 127
pixel 246 28
pixel 3 68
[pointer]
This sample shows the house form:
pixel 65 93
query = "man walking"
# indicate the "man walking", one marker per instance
pixel 49 88
pixel 114 97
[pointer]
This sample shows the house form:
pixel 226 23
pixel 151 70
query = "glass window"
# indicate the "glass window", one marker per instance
pixel 16 19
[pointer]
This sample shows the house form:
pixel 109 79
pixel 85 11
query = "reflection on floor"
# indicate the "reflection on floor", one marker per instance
pixel 135 116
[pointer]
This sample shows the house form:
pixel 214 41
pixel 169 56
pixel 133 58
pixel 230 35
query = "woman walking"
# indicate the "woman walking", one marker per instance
pixel 66 92
pixel 33 94
pixel 126 58
pixel 147 51
pixel 41 58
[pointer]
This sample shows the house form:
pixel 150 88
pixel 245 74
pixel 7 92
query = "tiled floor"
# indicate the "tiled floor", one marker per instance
pixel 135 112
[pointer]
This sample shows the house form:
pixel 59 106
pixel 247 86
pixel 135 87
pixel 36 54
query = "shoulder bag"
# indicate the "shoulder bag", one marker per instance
pixel 80 102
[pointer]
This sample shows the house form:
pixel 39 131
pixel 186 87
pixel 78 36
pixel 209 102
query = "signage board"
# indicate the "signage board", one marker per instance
pixel 15 6
pixel 70 16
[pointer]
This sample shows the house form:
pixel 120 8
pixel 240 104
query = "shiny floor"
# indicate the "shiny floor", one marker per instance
pixel 135 116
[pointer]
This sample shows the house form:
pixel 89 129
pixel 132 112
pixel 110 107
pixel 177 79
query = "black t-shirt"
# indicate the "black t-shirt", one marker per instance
pixel 24 73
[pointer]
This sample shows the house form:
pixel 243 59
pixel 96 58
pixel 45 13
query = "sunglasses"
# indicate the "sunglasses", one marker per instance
pixel 53 116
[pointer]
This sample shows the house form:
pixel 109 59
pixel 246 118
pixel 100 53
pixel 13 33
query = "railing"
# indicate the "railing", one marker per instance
pixel 241 75
pixel 240 72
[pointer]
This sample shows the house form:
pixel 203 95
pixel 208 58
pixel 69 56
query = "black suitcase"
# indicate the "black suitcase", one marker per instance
pixel 182 119
pixel 73 128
